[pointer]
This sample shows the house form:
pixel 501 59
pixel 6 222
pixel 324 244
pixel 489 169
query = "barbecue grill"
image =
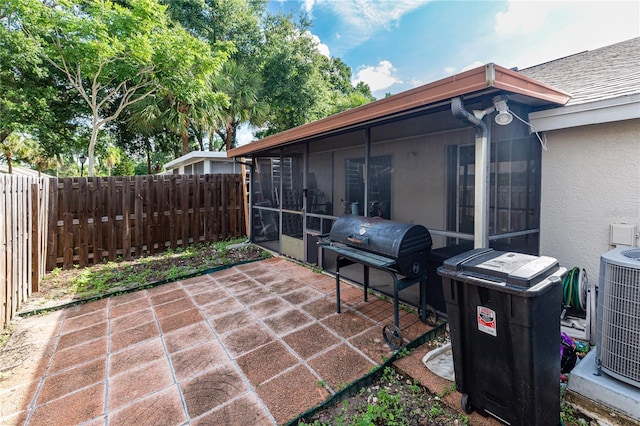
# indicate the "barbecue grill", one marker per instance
pixel 393 247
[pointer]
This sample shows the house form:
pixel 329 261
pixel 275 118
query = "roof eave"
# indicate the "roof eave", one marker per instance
pixel 598 112
pixel 193 156
pixel 489 76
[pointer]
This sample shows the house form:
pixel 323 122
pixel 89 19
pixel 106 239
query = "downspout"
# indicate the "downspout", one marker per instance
pixel 481 206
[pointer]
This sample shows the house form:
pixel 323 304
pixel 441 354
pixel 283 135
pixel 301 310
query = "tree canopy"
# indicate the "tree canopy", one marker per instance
pixel 156 78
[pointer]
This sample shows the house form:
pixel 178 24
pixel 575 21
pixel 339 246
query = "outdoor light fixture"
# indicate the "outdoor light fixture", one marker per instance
pixel 82 159
pixel 503 117
pixel 479 114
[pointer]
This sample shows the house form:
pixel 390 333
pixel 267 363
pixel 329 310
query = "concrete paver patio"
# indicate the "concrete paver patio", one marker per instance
pixel 254 344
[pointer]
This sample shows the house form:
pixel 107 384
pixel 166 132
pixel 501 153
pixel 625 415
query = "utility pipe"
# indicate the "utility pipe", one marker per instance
pixel 481 207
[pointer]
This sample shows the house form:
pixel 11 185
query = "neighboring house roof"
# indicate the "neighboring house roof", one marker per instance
pixel 195 156
pixel 481 81
pixel 594 75
pixel 604 85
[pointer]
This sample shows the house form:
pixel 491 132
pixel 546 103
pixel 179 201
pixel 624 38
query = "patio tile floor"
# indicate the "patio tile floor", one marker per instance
pixel 257 343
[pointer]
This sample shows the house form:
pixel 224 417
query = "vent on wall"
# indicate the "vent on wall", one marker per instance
pixel 618 319
pixel 622 234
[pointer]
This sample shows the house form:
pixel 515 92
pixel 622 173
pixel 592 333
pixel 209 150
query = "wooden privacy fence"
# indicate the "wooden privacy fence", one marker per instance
pixel 97 218
pixel 23 230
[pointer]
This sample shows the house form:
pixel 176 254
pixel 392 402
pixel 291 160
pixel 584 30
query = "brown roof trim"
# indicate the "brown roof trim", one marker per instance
pixel 487 76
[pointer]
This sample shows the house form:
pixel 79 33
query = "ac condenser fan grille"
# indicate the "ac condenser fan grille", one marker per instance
pixel 632 254
pixel 620 339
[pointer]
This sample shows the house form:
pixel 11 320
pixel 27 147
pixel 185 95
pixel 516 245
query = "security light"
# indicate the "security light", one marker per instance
pixel 503 117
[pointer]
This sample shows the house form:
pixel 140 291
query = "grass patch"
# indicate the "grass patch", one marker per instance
pixel 113 276
pixel 394 400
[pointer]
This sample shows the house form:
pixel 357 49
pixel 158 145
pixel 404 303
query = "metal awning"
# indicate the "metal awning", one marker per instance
pixel 482 81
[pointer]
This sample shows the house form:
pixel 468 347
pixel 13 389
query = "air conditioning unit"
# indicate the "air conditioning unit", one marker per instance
pixel 618 318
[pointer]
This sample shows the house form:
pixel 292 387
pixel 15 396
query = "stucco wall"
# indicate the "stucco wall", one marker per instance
pixel 590 179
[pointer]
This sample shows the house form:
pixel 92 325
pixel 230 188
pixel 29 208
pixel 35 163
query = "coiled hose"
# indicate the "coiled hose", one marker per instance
pixel 571 288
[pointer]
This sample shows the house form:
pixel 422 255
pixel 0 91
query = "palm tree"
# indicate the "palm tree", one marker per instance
pixel 112 157
pixel 242 88
pixel 18 147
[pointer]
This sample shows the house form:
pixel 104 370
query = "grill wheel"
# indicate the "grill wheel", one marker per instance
pixel 392 336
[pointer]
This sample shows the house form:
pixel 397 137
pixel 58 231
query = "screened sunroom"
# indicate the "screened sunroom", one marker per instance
pixel 409 158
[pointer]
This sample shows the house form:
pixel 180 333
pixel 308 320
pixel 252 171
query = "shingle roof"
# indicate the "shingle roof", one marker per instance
pixel 605 73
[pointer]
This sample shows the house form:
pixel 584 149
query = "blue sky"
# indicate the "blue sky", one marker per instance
pixel 395 45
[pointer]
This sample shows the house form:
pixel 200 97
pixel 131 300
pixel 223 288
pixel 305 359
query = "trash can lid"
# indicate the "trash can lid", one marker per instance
pixel 515 269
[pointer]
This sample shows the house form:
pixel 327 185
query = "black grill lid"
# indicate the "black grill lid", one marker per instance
pixel 408 245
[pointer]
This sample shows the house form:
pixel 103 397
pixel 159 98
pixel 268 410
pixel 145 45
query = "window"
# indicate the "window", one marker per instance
pixel 379 195
pixel 514 206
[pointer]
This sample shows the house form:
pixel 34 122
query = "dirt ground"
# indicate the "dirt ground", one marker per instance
pixel 55 288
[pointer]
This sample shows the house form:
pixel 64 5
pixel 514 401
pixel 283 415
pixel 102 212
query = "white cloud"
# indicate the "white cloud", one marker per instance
pixel 536 32
pixel 244 134
pixel 308 6
pixel 449 70
pixel 322 48
pixel 523 17
pixel 359 19
pixel 377 77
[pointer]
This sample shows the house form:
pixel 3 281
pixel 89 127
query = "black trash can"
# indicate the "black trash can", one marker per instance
pixel 504 316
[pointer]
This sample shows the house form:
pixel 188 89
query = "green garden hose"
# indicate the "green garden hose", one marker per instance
pixel 571 288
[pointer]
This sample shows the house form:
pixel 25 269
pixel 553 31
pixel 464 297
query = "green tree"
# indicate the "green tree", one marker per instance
pixel 20 66
pixel 294 85
pixel 115 56
pixel 112 157
pixel 14 148
pixel 33 100
pixel 243 89
pixel 228 21
pixel 344 95
pixel 125 167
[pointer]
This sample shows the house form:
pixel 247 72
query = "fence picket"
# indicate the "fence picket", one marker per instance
pixel 83 225
pixel 126 218
pixel 52 221
pixel 3 250
pixel 96 215
pixel 196 230
pixel 111 202
pixel 34 259
pixel 23 224
pixel 138 213
pixel 11 300
pixel 49 222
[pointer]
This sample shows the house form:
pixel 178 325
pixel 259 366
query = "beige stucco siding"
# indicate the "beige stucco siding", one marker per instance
pixel 590 179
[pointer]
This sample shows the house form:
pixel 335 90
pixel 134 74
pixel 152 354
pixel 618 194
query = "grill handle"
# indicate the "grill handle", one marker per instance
pixel 358 240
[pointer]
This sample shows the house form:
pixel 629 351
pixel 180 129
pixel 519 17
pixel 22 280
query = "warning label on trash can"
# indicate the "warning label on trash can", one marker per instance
pixel 487 320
